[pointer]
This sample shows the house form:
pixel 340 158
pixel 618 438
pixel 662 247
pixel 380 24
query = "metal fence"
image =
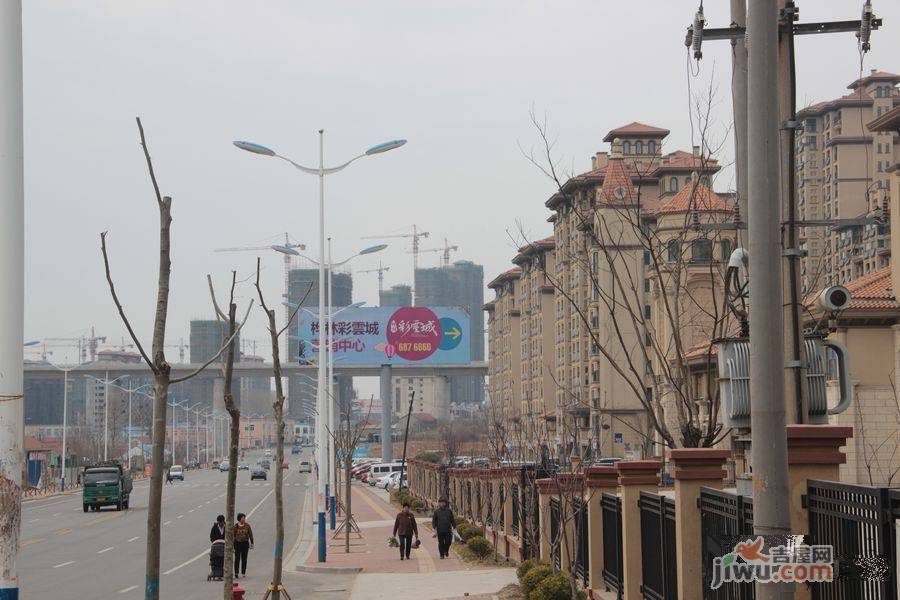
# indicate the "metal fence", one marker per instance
pixel 581 566
pixel 611 509
pixel 659 564
pixel 501 516
pixel 514 492
pixel 555 531
pixel 860 523
pixel 725 519
pixel 489 518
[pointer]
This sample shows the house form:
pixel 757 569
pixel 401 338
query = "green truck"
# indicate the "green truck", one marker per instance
pixel 105 484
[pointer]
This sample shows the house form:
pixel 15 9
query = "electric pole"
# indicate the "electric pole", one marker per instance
pixel 771 506
pixel 739 101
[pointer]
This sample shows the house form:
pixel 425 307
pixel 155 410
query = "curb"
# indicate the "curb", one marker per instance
pixel 333 570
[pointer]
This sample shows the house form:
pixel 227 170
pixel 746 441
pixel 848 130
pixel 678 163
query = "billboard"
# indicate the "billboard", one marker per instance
pixel 389 335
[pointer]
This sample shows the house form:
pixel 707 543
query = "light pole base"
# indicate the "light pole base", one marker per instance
pixel 321 537
pixel 331 511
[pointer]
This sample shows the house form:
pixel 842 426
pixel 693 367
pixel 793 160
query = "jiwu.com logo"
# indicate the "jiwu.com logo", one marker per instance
pixel 783 564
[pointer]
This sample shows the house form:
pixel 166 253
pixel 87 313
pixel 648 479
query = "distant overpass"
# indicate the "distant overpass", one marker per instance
pixel 247 369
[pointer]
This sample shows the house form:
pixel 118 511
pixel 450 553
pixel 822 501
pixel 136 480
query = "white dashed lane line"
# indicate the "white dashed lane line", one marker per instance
pixel 137 537
pixel 128 589
pixel 105 550
pixel 167 522
pixel 65 564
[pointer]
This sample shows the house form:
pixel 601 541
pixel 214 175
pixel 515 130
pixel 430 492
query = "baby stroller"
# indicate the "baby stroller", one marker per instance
pixel 216 561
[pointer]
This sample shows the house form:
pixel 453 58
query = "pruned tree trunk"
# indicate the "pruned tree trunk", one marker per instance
pixel 347 506
pixel 234 439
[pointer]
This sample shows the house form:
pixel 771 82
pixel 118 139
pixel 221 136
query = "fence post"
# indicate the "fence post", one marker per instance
pixel 814 452
pixel 546 489
pixel 634 477
pixel 597 480
pixel 693 468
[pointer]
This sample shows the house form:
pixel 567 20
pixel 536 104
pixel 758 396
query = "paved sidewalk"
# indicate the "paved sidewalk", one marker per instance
pixel 384 575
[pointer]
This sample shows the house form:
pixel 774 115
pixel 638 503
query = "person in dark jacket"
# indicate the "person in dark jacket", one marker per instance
pixel 218 529
pixel 443 523
pixel 405 528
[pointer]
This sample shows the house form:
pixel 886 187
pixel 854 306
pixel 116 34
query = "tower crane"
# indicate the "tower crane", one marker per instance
pixel 415 235
pixel 380 270
pixel 447 249
pixel 86 344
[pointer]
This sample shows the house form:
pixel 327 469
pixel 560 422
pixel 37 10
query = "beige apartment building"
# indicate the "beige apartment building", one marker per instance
pixel 505 352
pixel 430 396
pixel 841 174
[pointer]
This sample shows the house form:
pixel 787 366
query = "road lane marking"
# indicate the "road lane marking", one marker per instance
pixel 63 531
pixel 137 537
pixel 128 589
pixel 105 550
pixel 27 543
pixel 180 516
pixel 206 552
pixel 108 517
pixel 65 564
pixel 57 514
pixel 167 522
pixel 34 520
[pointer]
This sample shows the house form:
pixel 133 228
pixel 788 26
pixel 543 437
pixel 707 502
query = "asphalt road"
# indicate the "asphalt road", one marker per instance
pixel 67 553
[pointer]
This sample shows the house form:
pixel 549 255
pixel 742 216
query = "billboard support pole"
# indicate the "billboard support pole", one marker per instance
pixel 387 443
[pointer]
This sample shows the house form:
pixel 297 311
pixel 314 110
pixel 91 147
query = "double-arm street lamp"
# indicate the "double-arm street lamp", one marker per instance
pixel 106 383
pixel 131 390
pixel 321 171
pixel 65 369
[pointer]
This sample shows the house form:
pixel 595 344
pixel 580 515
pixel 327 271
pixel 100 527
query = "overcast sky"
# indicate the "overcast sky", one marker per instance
pixel 456 78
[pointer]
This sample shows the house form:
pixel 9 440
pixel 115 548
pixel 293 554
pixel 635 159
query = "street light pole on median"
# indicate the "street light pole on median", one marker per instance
pixel 321 172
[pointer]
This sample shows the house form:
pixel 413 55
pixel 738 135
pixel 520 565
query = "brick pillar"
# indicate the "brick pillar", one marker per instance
pixel 597 480
pixel 813 453
pixel 634 477
pixel 546 488
pixel 693 468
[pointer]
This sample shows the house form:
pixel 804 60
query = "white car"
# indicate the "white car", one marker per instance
pixel 268 452
pixel 223 466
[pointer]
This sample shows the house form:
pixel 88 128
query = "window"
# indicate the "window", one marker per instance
pixel 646 311
pixel 701 250
pixel 726 249
pixel 651 147
pixel 646 257
pixel 673 184
pixel 639 147
pixel 674 250
pixel 626 148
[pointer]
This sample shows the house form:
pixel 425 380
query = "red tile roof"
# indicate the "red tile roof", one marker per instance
pixel 635 129
pixel 513 273
pixel 690 199
pixel 681 160
pixel 858 97
pixel 872 291
pixel 617 187
pixel 874 76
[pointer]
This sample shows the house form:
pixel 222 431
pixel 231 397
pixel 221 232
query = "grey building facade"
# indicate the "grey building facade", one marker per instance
pixel 396 295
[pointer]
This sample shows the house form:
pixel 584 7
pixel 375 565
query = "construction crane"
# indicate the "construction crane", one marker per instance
pixel 287 267
pixel 87 345
pixel 447 249
pixel 181 345
pixel 380 270
pixel 415 235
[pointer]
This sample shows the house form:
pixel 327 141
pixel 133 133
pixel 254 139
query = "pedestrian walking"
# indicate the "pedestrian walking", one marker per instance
pixel 243 543
pixel 443 522
pixel 404 529
pixel 168 475
pixel 218 529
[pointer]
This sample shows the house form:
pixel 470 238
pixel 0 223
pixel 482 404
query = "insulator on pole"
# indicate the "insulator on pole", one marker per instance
pixel 697 33
pixel 865 26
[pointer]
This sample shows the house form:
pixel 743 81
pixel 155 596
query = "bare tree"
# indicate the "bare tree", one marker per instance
pixel 158 365
pixel 231 328
pixel 346 440
pixel 278 406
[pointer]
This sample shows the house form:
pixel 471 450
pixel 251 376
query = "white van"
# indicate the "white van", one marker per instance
pixel 379 470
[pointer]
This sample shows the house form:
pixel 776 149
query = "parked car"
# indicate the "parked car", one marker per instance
pixel 284 465
pixel 268 452
pixel 265 464
pixel 176 472
pixel 243 467
pixel 607 461
pixel 224 465
pixel 258 473
pixel 304 467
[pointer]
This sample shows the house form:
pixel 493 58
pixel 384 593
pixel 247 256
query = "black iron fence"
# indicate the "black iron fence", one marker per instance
pixel 501 515
pixel 581 566
pixel 859 523
pixel 659 563
pixel 725 519
pixel 489 519
pixel 611 509
pixel 514 500
pixel 555 532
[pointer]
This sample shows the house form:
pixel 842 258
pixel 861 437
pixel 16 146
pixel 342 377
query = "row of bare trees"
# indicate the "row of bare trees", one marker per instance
pixel 163 380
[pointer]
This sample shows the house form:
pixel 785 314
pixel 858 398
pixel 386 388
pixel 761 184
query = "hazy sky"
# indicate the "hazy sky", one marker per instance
pixel 456 78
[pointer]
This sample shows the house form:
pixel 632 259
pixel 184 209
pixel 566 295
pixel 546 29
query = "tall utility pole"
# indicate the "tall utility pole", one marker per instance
pixel 12 301
pixel 739 101
pixel 771 507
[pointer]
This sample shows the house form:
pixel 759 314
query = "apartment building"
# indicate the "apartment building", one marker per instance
pixel 504 331
pixel 841 176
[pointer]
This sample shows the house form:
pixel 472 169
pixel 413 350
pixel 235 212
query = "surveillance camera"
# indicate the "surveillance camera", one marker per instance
pixel 833 298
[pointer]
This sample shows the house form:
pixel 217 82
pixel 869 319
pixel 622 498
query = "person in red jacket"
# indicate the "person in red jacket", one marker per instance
pixel 404 529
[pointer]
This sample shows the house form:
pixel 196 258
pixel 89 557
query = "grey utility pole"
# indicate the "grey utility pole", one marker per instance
pixel 12 300
pixel 771 509
pixel 739 102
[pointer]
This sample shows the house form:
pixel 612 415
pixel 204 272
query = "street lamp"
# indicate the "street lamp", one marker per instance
pixel 187 430
pixel 321 171
pixel 175 406
pixel 106 383
pixel 131 390
pixel 65 369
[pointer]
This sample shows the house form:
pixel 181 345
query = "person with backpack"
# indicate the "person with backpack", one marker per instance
pixel 443 522
pixel 404 529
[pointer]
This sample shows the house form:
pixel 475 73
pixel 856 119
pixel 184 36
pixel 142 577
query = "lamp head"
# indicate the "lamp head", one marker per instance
pixel 386 146
pixel 373 249
pixel 285 249
pixel 254 148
